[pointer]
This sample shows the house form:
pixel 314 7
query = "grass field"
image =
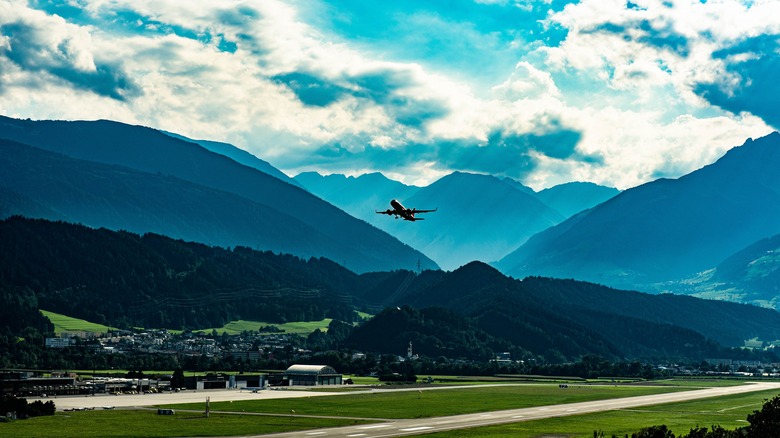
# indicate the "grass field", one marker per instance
pixel 297 327
pixel 146 423
pixel 422 404
pixel 64 323
pixel 729 412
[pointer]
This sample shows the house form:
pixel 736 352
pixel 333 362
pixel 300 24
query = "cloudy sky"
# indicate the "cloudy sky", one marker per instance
pixel 613 92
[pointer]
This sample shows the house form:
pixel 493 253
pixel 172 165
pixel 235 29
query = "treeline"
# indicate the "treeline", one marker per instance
pixel 432 332
pixel 23 409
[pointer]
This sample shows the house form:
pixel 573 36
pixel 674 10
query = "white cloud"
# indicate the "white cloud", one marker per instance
pixel 638 68
pixel 526 82
pixel 637 147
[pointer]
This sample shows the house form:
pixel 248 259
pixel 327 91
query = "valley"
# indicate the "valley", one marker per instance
pixel 550 219
pixel 87 251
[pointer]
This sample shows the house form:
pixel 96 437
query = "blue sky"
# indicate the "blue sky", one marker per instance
pixel 617 93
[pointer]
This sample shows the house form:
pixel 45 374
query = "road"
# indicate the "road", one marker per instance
pixel 439 424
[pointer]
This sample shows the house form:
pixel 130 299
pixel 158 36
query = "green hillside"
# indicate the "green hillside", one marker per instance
pixel 64 324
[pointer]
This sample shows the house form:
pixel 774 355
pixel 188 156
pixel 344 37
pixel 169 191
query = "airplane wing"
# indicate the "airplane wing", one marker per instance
pixel 415 211
pixel 386 212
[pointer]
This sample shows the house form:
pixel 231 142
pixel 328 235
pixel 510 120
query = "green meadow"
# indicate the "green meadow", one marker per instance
pixel 296 327
pixel 381 404
pixel 146 423
pixel 64 323
pixel 729 412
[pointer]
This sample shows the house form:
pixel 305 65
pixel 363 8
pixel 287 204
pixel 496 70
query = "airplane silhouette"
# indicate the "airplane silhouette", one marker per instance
pixel 406 213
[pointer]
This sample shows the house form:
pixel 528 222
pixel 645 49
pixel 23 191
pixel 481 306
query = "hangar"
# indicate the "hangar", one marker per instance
pixel 311 375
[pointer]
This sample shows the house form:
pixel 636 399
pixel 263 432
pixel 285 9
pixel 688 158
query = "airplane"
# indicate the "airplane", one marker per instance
pixel 254 389
pixel 406 213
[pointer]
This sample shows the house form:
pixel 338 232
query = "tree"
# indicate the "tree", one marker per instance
pixel 766 422
pixel 654 432
pixel 177 380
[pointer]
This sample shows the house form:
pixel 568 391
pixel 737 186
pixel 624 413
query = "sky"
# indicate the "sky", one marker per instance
pixel 613 92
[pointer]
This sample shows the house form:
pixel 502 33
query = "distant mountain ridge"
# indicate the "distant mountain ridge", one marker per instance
pixel 359 196
pixel 750 275
pixel 479 217
pixel 666 229
pixel 118 198
pixel 345 239
pixel 238 155
pixel 574 197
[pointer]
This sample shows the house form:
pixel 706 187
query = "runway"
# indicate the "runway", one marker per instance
pixel 167 398
pixel 438 424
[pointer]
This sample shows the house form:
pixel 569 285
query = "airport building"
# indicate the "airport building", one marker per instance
pixel 311 375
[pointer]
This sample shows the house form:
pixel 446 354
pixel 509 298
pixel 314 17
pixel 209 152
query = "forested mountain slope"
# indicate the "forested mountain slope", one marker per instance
pixel 572 315
pixel 124 279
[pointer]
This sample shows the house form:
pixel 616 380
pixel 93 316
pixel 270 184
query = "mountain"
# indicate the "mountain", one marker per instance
pixel 125 279
pixel 359 196
pixel 485 220
pixel 751 275
pixel 238 155
pixel 546 316
pixel 119 198
pixel 314 223
pixel 519 186
pixel 666 229
pixel 433 332
pixel 574 197
pixel 479 217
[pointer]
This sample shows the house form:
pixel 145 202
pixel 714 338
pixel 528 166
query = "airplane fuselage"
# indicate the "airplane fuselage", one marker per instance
pixel 397 205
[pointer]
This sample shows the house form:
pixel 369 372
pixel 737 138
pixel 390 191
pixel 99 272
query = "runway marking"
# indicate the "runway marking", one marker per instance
pixel 412 429
pixel 519 416
pixel 316 433
pixel 375 426
pixel 357 434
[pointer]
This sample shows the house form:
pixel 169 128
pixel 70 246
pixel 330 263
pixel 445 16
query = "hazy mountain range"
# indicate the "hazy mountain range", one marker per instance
pixel 108 174
pixel 479 217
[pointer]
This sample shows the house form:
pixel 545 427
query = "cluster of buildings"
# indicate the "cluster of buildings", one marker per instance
pixel 248 346
pixel 29 383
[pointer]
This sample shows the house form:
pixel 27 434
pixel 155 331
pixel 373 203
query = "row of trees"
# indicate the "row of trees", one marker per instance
pixel 23 409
